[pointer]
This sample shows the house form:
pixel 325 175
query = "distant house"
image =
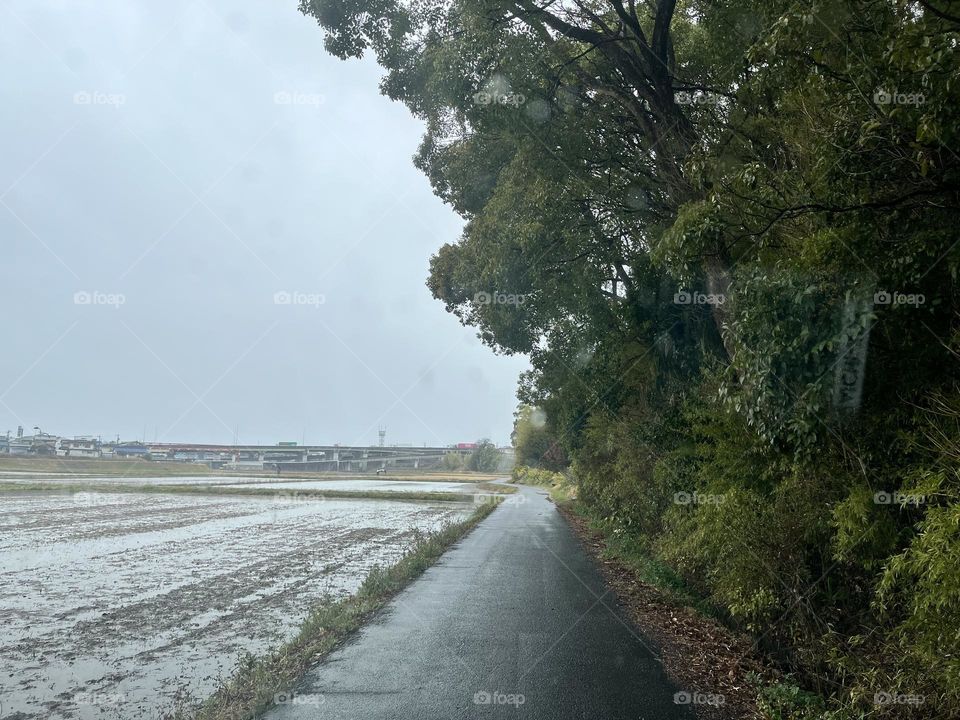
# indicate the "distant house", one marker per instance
pixel 78 447
pixel 19 447
pixel 39 444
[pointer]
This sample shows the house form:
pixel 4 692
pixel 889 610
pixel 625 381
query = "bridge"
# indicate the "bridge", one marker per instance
pixel 307 458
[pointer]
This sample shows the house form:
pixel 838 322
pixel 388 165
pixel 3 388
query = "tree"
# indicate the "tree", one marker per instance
pixel 485 458
pixel 452 461
pixel 532 442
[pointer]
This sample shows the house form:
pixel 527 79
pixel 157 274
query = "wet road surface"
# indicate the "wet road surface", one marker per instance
pixel 514 621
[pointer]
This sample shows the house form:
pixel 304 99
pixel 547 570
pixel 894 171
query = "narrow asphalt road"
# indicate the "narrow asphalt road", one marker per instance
pixel 513 622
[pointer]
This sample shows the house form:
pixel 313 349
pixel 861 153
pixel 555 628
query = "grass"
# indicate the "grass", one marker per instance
pixel 562 492
pixel 284 495
pixel 98 466
pixel 496 488
pixel 251 689
pixel 561 488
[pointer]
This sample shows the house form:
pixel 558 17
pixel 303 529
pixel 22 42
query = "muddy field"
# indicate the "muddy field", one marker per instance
pixel 349 484
pixel 112 604
pixel 364 485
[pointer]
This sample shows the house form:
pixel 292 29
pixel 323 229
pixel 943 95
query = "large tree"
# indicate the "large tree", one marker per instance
pixel 726 234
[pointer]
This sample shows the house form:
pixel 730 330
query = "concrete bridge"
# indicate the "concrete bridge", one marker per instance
pixel 308 458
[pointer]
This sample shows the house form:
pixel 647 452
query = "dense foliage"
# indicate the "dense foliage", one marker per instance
pixel 484 458
pixel 534 446
pixel 726 234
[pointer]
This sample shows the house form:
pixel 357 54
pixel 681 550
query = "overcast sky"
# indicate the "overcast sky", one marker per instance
pixel 208 224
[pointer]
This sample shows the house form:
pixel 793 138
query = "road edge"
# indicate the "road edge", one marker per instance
pixel 698 653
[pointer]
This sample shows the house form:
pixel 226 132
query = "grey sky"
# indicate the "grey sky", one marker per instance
pixel 190 160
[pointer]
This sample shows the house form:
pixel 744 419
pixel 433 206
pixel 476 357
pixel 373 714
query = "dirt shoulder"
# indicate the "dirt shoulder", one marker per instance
pixel 699 654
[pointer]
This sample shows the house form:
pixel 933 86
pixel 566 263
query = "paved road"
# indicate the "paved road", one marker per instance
pixel 513 622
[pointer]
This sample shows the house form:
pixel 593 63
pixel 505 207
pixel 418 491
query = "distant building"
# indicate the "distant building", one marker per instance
pixel 19 447
pixel 78 447
pixel 39 444
pixel 131 450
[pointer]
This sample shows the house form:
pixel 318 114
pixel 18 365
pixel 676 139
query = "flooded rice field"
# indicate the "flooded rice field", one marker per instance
pixel 113 603
pixel 365 485
pixel 75 478
pixel 350 484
